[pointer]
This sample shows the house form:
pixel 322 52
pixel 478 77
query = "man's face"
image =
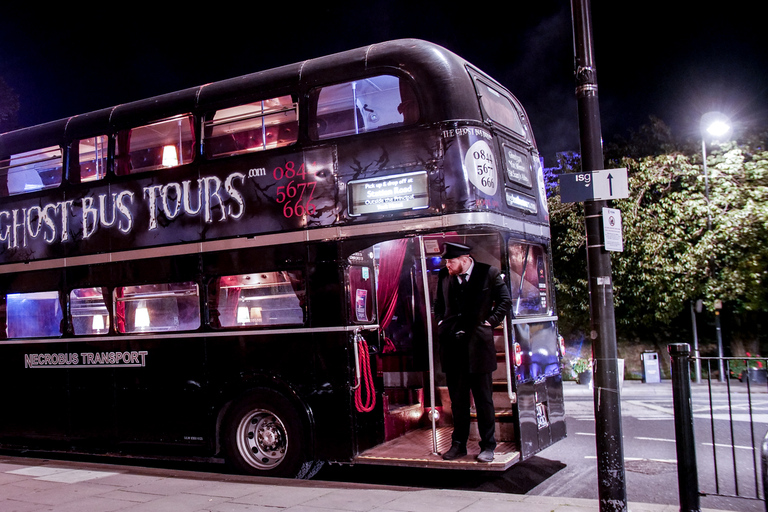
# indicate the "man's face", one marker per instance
pixel 458 265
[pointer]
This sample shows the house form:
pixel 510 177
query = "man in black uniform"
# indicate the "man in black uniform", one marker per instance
pixel 472 299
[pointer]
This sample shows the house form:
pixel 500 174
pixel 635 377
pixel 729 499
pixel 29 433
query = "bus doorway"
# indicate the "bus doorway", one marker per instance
pixel 416 408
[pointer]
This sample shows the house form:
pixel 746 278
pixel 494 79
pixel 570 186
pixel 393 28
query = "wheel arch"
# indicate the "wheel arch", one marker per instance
pixel 255 384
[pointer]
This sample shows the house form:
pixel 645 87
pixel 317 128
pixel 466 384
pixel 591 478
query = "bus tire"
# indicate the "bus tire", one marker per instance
pixel 263 436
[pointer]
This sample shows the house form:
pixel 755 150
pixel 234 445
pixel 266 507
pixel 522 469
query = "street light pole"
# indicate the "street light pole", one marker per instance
pixel 714 124
pixel 611 476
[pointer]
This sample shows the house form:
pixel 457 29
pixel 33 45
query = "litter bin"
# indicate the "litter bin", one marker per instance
pixel 651 373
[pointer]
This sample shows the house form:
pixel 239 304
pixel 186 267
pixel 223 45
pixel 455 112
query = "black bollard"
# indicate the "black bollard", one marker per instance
pixel 687 475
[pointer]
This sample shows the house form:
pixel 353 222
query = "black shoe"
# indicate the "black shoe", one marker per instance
pixel 485 456
pixel 457 450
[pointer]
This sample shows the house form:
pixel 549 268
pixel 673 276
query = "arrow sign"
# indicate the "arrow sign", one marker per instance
pixel 594 186
pixel 610 184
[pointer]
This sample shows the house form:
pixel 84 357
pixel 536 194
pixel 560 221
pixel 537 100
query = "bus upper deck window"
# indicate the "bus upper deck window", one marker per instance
pixel 500 109
pixel 364 105
pixel 93 158
pixel 157 307
pixel 33 315
pixel 30 171
pixel 255 126
pixel 164 144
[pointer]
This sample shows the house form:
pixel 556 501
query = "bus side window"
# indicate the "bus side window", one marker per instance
pixel 161 145
pixel 161 307
pixel 258 299
pixel 31 170
pixel 88 307
pixel 255 126
pixel 528 280
pixel 362 106
pixel 92 157
pixel 33 315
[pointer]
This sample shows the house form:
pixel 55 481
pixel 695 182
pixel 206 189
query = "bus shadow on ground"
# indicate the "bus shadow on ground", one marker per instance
pixel 519 479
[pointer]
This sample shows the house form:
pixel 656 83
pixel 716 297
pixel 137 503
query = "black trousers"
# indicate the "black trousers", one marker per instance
pixel 460 385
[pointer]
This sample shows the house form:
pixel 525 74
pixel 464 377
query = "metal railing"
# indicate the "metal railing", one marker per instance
pixel 723 412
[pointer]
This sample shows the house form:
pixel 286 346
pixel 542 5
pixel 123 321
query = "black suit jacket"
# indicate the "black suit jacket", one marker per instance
pixel 466 342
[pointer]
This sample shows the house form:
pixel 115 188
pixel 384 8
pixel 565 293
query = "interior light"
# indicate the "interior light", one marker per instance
pixel 243 317
pixel 170 156
pixel 142 315
pixel 98 322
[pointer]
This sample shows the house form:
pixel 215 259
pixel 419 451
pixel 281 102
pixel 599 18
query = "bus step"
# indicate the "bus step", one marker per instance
pixel 415 449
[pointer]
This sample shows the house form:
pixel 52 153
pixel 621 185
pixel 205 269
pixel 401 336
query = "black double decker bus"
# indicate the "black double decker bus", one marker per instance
pixel 244 270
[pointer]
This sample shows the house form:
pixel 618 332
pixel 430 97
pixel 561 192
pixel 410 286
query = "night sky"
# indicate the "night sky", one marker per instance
pixel 650 60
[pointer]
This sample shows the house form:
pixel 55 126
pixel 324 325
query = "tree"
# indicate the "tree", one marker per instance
pixel 670 256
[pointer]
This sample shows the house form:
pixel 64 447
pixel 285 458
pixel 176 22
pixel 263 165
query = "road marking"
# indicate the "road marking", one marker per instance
pixel 67 476
pixel 655 439
pixel 657 408
pixel 719 445
pixel 756 418
pixel 585 434
pixel 637 459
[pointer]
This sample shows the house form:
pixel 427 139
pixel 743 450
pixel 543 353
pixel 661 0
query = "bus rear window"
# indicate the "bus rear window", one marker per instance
pixel 30 171
pixel 364 105
pixel 259 299
pixel 255 126
pixel 157 308
pixel 88 307
pixel 33 315
pixel 528 280
pixel 500 109
pixel 164 144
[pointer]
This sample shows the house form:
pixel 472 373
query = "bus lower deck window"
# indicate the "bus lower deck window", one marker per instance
pixel 89 311
pixel 33 315
pixel 529 280
pixel 161 307
pixel 258 299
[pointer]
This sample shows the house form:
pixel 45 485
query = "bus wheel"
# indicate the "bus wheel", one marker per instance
pixel 263 436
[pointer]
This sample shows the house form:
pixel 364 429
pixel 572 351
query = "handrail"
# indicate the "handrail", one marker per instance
pixel 507 360
pixel 433 414
pixel 357 358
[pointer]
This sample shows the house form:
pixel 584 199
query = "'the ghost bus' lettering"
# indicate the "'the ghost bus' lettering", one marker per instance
pixel 176 198
pixel 93 217
pixel 210 197
pixel 50 221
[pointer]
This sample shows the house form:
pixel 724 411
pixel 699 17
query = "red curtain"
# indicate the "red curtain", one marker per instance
pixel 392 255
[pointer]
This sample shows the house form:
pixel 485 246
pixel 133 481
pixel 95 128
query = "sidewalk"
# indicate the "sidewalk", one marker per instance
pixel 37 485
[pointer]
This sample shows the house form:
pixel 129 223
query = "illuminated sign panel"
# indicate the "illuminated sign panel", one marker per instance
pixel 390 193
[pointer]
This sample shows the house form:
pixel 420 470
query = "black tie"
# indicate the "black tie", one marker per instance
pixel 464 278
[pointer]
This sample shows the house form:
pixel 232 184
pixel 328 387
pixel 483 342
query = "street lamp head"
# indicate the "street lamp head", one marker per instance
pixel 715 125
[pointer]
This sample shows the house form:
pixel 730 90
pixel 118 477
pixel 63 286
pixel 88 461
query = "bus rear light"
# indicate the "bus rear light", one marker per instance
pixel 518 354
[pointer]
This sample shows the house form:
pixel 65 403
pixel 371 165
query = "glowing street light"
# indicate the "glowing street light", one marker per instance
pixel 714 125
